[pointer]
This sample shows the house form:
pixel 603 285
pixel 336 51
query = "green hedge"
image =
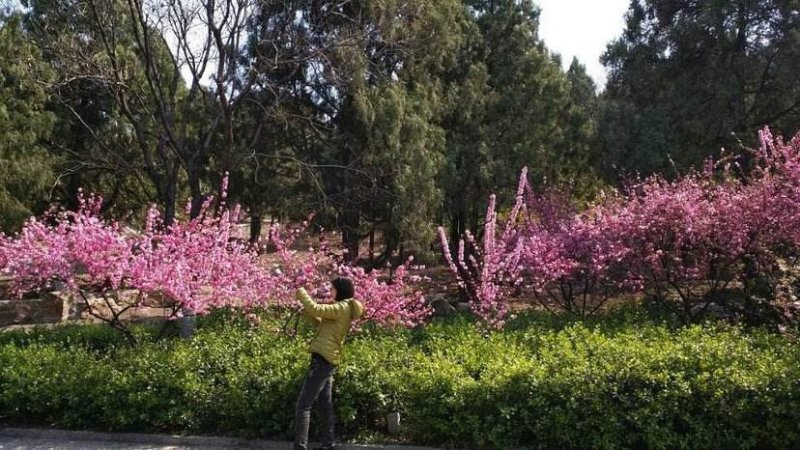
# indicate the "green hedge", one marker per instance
pixel 539 384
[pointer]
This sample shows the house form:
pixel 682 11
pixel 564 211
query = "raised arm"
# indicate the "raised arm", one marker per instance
pixel 311 319
pixel 315 309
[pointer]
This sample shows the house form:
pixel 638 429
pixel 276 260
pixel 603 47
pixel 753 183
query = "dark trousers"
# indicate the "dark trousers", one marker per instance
pixel 318 384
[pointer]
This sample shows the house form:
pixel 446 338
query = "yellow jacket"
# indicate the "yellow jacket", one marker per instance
pixel 333 322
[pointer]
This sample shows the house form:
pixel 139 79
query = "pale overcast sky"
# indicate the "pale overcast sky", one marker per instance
pixel 582 28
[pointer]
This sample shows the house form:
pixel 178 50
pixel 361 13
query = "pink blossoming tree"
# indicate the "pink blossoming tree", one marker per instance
pixel 687 240
pixel 192 266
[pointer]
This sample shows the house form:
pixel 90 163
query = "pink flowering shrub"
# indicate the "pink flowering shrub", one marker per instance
pixel 388 300
pixel 190 266
pixel 193 266
pixel 394 302
pixel 586 264
pixel 713 231
pixel 688 240
pixel 488 271
pixel 544 250
pixel 688 236
pixel 197 265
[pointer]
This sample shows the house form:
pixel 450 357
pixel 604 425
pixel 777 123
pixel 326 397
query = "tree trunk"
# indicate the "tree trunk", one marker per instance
pixel 255 228
pixel 170 196
pixel 350 234
pixel 457 220
pixel 391 239
pixel 372 246
pixel 73 186
pixel 193 176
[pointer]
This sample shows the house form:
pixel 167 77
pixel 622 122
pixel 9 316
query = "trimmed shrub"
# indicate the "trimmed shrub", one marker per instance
pixel 539 383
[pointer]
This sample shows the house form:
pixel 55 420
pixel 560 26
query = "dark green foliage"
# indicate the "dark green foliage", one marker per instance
pixel 510 105
pixel 95 338
pixel 543 383
pixel 358 138
pixel 689 77
pixel 383 117
pixel 26 169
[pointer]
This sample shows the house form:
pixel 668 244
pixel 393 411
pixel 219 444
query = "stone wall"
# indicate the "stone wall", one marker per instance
pixel 48 309
pixel 59 307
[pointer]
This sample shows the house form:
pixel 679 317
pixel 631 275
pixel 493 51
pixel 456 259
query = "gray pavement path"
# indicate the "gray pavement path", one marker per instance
pixel 32 438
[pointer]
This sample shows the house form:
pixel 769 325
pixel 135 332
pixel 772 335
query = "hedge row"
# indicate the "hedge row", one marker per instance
pixel 532 386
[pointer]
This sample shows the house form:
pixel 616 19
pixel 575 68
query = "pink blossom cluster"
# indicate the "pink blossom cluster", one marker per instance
pixel 190 266
pixel 197 264
pixel 489 270
pixel 389 300
pixel 79 248
pixel 692 237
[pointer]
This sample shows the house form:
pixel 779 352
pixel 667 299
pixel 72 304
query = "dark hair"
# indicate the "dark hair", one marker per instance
pixel 344 288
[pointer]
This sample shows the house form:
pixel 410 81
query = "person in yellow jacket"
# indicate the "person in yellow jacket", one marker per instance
pixel 333 321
